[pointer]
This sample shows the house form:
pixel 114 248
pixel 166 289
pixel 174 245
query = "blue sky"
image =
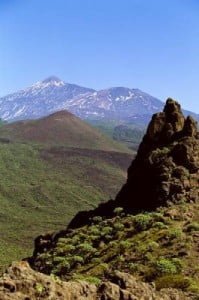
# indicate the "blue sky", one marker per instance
pixel 151 45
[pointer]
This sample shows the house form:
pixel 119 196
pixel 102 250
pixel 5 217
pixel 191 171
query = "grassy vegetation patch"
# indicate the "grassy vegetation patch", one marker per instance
pixel 42 189
pixel 151 246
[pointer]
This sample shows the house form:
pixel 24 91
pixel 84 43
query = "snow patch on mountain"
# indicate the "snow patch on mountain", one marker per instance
pixel 53 94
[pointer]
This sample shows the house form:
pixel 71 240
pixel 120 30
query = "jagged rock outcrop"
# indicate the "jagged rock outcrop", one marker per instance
pixel 167 164
pixel 166 168
pixel 22 283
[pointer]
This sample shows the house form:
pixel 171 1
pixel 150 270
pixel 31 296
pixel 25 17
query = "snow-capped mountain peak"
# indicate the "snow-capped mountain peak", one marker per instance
pixel 40 99
pixel 53 80
pixel 50 81
pixel 53 94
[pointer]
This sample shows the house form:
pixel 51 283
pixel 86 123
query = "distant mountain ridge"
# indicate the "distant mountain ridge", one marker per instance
pixel 53 94
pixel 114 103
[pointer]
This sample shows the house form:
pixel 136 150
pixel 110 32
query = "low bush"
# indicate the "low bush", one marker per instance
pixel 173 281
pixel 118 226
pixel 142 222
pixel 193 227
pixel 90 279
pixel 165 266
pixel 118 211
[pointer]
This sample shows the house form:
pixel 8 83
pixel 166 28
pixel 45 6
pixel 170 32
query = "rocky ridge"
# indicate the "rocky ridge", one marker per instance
pixel 166 165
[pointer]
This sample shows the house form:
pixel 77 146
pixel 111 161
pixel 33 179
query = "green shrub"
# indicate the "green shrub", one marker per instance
pixel 94 230
pixel 39 288
pixel 86 247
pixel 77 259
pixel 173 281
pixel 158 217
pixel 90 279
pixel 133 267
pixel 118 226
pixel 82 236
pixel 97 219
pixel 121 258
pixel 96 260
pixel 118 210
pixel 165 266
pixel 75 239
pixel 181 171
pixel 193 227
pixel 44 255
pixel 106 230
pixel 113 243
pixel 178 263
pixel 55 278
pixel 94 237
pixel 124 244
pixel 64 249
pixel 58 259
pixel 149 256
pixel 62 267
pixel 104 266
pixel 152 245
pixel 64 241
pixel 142 222
pixel 160 225
pixel 108 237
pixel 175 233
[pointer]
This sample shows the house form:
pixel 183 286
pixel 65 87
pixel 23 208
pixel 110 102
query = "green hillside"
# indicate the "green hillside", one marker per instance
pixel 159 247
pixel 50 169
pixel 42 188
pixel 126 133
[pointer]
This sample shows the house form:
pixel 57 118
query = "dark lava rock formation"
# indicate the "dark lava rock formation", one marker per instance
pixel 166 168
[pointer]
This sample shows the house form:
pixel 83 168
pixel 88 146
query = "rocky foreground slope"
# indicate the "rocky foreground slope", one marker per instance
pixel 142 245
pixel 21 282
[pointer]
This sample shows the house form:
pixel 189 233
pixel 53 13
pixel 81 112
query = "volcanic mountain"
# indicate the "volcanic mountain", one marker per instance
pixel 125 105
pixel 40 99
pixel 60 128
